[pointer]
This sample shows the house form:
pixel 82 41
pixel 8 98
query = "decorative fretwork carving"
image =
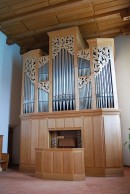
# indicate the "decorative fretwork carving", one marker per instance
pixel 84 54
pixel 82 81
pixel 30 69
pixel 101 57
pixel 44 86
pixel 42 61
pixel 66 43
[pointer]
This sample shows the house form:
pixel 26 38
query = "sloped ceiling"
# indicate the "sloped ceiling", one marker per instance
pixel 26 22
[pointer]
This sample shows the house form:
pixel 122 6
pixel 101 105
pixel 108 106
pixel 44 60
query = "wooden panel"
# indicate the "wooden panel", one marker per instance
pixel 21 7
pixel 43 134
pixel 34 139
pixel 39 22
pixel 98 137
pixel 88 142
pixel 57 162
pixel 113 141
pixel 64 164
pixel 59 123
pixel 111 8
pixel 68 122
pixel 51 123
pixel 38 166
pixel 47 162
pixel 78 163
pixel 25 142
pixel 78 122
pixel 67 163
pixel 110 4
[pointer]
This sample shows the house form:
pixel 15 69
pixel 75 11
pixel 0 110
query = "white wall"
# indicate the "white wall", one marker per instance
pixel 10 87
pixel 122 67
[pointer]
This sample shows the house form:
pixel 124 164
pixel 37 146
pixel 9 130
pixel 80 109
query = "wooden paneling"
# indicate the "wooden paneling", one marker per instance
pixel 34 139
pixel 38 166
pixel 57 164
pixel 59 123
pixel 51 123
pixel 68 122
pixel 98 138
pixel 38 21
pixel 43 134
pixel 78 122
pixel 113 141
pixel 47 162
pixel 101 140
pixel 64 164
pixel 78 159
pixel 25 148
pixel 68 166
pixel 88 142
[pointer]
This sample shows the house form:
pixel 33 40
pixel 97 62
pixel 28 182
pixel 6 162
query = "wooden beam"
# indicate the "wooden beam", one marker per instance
pixel 111 30
pixel 40 11
pixel 125 14
pixel 63 25
pixel 10 41
pixel 43 45
pixel 125 30
pixel 102 33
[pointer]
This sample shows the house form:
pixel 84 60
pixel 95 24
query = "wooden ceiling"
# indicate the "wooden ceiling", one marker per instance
pixel 26 22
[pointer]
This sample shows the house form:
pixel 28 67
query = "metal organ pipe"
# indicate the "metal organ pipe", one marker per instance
pixel 104 88
pixel 63 81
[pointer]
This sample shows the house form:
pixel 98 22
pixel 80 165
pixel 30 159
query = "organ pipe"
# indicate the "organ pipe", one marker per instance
pixel 95 78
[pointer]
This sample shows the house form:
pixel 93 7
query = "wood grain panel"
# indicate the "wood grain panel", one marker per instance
pixel 43 134
pixel 67 163
pixel 68 122
pixel 38 21
pixel 88 142
pixel 59 123
pixel 22 7
pixel 63 164
pixel 47 162
pixel 38 166
pixel 112 8
pixel 75 17
pixel 78 121
pixel 98 138
pixel 34 139
pixel 82 8
pixel 51 123
pixel 105 5
pixel 79 167
pixel 57 162
pixel 113 141
pixel 25 142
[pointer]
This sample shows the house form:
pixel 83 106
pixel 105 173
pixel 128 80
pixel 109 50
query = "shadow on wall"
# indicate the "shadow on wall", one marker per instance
pixel 15 106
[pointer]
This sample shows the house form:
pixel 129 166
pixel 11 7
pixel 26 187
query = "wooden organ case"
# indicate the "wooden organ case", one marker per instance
pixel 69 109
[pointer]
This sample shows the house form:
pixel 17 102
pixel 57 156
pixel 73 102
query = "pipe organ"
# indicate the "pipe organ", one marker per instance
pixel 71 89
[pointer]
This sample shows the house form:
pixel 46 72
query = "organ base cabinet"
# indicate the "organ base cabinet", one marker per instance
pixel 60 163
pixel 97 135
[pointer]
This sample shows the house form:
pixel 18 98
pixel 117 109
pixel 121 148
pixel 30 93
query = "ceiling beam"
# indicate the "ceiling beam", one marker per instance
pixel 125 14
pixel 125 29
pixel 40 11
pixel 117 29
pixel 44 46
pixel 64 25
